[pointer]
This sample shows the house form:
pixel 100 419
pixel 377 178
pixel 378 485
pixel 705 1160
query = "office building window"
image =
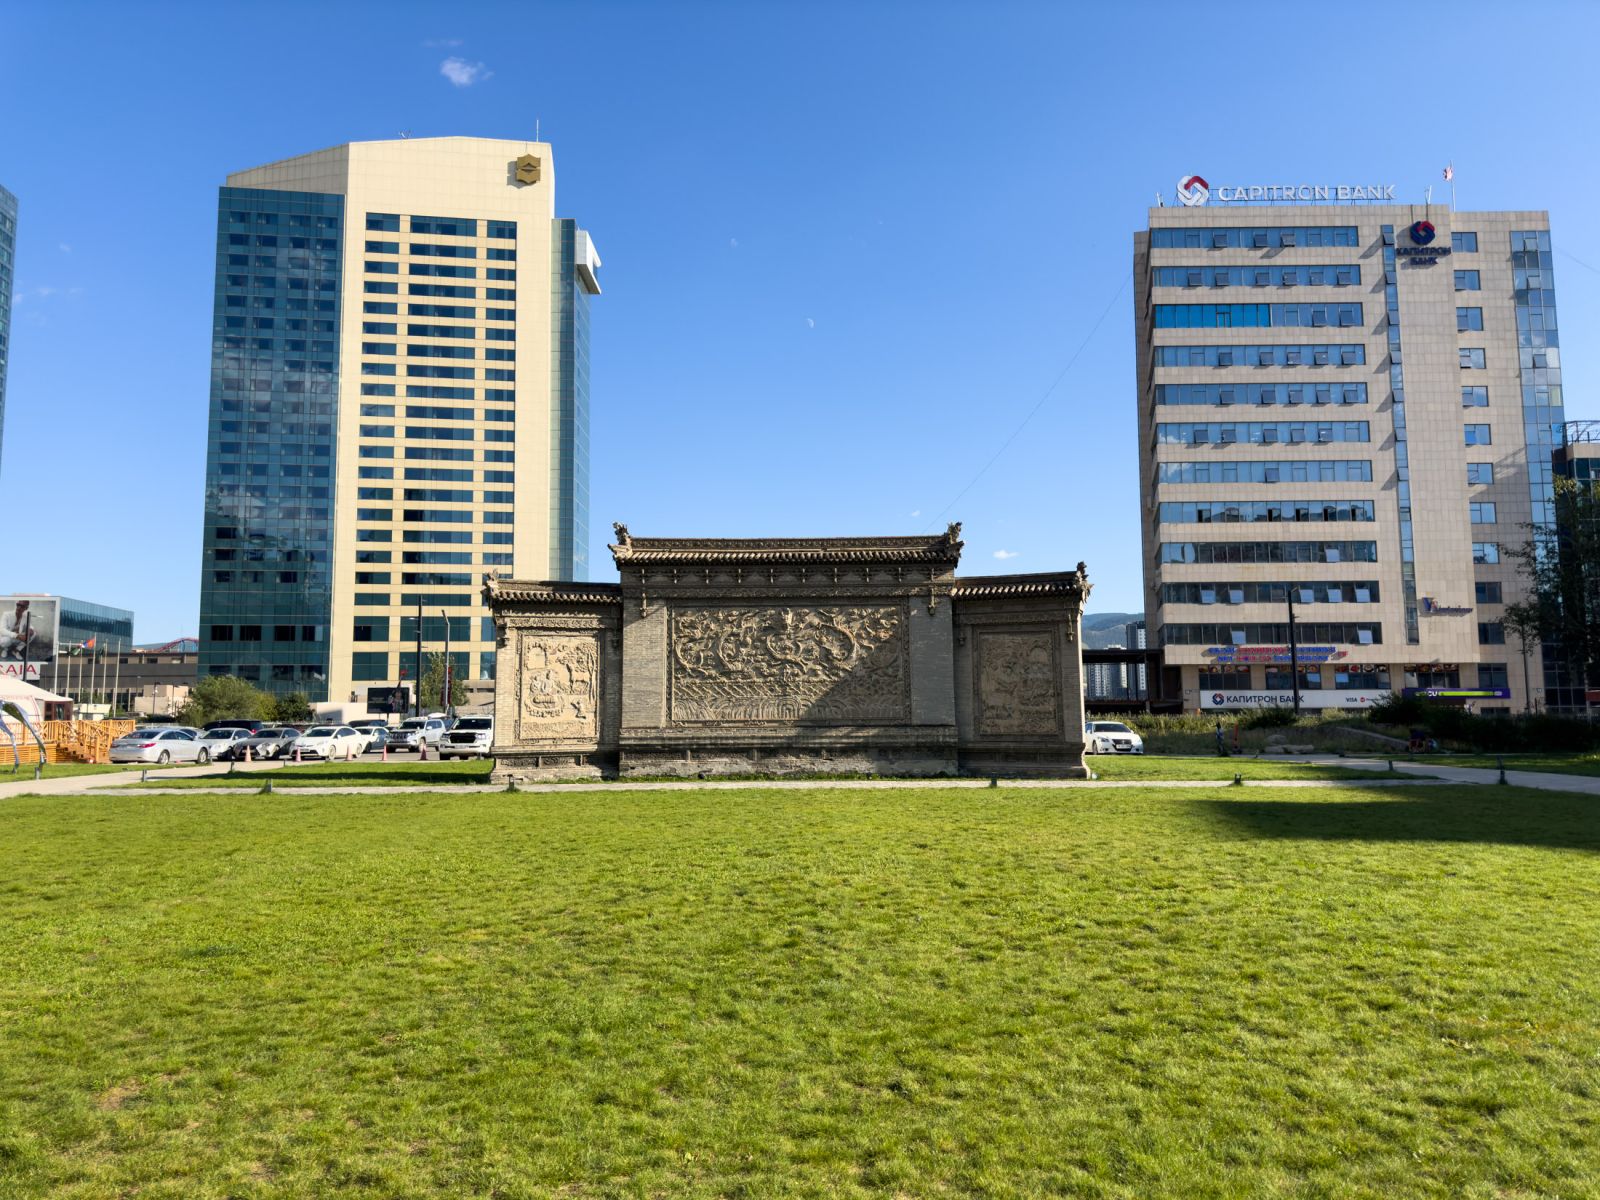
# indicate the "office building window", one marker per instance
pixel 1472 358
pixel 1469 319
pixel 1482 512
pixel 1257 237
pixel 1480 473
pixel 1487 592
pixel 1464 243
pixel 1478 435
pixel 1474 397
pixel 1493 675
pixel 1467 281
pixel 1485 553
pixel 1491 633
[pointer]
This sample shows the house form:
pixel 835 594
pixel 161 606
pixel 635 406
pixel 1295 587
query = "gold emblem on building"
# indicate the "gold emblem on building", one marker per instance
pixel 528 169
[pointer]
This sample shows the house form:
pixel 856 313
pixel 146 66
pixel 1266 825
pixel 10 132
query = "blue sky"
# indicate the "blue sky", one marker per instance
pixel 848 247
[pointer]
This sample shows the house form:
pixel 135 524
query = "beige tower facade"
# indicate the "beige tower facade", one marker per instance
pixel 450 304
pixel 1351 407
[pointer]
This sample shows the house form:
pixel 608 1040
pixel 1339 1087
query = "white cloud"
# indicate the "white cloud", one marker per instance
pixel 1007 553
pixel 810 323
pixel 65 249
pixel 916 512
pixel 733 243
pixel 462 73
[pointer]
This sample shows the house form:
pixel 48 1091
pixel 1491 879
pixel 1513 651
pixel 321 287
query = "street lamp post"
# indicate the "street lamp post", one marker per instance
pixel 1294 654
pixel 444 695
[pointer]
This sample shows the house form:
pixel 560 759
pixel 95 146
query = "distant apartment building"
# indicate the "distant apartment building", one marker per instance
pixel 399 406
pixel 1350 405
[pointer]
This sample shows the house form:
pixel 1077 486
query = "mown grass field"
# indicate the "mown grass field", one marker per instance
pixel 24 773
pixel 405 772
pixel 1207 993
pixel 459 771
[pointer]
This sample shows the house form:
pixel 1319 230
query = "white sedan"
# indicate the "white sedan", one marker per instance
pixel 1111 737
pixel 331 742
pixel 160 744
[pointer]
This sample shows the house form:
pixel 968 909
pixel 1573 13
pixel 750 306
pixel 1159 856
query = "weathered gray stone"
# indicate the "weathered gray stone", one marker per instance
pixel 789 656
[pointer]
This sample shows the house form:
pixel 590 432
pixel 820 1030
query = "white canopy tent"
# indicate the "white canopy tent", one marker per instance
pixel 28 697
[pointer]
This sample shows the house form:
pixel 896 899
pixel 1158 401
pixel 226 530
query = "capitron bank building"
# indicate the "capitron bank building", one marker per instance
pixel 1352 405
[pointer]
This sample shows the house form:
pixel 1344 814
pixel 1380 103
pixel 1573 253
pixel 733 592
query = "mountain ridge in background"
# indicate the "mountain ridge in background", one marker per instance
pixel 1102 630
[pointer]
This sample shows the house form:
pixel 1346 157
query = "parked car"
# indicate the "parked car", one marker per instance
pixel 331 742
pixel 264 743
pixel 220 739
pixel 418 732
pixel 380 737
pixel 471 738
pixel 367 724
pixel 1110 737
pixel 249 723
pixel 161 745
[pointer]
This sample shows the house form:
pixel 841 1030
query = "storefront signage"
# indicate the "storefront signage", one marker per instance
pixel 1307 655
pixel 1460 693
pixel 1194 191
pixel 1309 698
pixel 1432 608
pixel 1422 252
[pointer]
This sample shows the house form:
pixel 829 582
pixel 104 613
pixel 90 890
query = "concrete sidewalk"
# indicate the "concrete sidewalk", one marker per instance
pixel 62 786
pixel 73 785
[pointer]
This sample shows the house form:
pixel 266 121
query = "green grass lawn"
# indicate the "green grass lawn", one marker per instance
pixel 1161 766
pixel 1328 993
pixel 477 771
pixel 24 773
pixel 357 774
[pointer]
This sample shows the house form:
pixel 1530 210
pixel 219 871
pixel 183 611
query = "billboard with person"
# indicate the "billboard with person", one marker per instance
pixel 28 630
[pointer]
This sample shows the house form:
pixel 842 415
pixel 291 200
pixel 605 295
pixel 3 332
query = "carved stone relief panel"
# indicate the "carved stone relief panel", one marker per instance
pixel 558 687
pixel 1017 684
pixel 826 664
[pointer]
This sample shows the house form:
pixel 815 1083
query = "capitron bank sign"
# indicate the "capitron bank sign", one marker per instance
pixel 1194 191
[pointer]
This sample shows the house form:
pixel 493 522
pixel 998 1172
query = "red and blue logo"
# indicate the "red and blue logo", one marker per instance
pixel 1422 233
pixel 1193 190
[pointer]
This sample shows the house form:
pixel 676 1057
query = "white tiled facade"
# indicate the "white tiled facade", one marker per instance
pixel 1432 621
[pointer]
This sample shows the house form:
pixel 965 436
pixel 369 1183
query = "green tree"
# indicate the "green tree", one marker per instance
pixel 225 697
pixel 1524 621
pixel 292 709
pixel 1560 562
pixel 432 686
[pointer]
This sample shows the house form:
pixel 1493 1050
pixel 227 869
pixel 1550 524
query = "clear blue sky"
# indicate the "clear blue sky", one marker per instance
pixel 848 247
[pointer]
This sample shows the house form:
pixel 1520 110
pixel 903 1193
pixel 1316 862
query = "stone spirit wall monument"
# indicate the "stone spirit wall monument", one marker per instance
pixel 786 656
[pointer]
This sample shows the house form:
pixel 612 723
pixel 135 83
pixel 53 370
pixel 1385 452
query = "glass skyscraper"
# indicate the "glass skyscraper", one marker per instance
pixel 8 258
pixel 399 405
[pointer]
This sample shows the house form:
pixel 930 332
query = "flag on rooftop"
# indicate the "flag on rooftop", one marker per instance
pixel 1449 173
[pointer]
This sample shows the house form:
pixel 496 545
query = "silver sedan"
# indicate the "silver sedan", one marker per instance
pixel 161 745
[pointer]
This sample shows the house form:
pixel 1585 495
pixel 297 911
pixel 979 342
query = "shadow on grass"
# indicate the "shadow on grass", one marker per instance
pixel 359 774
pixel 1513 818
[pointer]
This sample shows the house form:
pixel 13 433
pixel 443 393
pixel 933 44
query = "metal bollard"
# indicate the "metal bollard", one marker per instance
pixel 1501 763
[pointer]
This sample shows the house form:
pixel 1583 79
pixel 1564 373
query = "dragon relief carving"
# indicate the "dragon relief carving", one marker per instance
pixel 828 665
pixel 1017 684
pixel 558 688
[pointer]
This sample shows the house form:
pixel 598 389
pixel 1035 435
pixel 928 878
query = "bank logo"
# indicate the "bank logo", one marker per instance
pixel 1192 190
pixel 528 169
pixel 1216 697
pixel 1422 233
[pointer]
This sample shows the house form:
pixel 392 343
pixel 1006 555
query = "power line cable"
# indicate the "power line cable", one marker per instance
pixel 1032 412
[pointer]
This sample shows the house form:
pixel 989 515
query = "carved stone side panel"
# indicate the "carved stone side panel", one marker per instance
pixel 558 687
pixel 838 664
pixel 1016 684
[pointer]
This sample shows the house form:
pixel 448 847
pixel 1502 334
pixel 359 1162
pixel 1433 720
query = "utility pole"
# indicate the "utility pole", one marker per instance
pixel 419 654
pixel 1294 654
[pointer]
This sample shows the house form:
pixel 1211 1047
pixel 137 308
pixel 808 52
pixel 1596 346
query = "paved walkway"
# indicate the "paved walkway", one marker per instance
pixel 1424 775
